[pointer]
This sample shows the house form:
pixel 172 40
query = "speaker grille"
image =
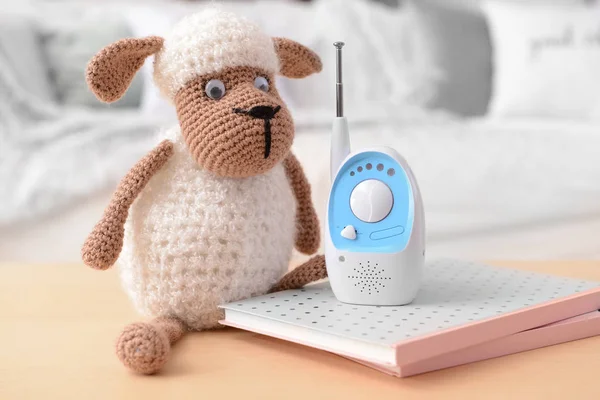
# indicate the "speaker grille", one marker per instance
pixel 369 277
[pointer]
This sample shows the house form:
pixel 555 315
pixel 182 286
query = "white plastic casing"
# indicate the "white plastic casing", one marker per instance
pixel 402 270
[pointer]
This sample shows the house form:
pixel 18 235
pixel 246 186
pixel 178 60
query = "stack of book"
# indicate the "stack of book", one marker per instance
pixel 464 312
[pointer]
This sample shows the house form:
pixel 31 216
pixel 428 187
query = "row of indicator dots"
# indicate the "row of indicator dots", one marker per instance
pixel 379 167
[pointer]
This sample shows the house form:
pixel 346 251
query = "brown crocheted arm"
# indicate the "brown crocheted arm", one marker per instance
pixel 307 223
pixel 103 245
pixel 311 271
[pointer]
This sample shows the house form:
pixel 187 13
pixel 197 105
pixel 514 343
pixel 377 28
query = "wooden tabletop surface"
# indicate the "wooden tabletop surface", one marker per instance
pixel 58 324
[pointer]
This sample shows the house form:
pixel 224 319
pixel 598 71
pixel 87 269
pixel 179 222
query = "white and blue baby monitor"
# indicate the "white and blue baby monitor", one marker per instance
pixel 375 242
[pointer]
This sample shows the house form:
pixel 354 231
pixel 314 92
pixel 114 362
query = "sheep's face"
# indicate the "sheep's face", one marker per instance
pixel 234 122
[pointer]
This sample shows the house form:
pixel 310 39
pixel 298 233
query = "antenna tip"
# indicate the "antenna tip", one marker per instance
pixel 339 45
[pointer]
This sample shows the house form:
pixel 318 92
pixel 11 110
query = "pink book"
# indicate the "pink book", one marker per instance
pixel 580 327
pixel 464 312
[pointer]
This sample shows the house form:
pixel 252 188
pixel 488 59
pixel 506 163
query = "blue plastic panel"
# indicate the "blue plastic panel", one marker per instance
pixel 389 235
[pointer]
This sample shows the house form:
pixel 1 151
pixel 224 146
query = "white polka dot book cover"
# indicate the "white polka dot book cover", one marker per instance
pixel 464 312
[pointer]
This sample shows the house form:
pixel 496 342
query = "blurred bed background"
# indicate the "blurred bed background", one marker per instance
pixel 495 104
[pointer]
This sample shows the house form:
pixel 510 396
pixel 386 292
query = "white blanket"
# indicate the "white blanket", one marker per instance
pixel 51 156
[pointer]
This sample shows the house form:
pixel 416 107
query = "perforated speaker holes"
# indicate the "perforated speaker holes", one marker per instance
pixel 369 278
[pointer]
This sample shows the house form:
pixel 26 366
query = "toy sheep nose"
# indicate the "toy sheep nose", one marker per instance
pixel 263 112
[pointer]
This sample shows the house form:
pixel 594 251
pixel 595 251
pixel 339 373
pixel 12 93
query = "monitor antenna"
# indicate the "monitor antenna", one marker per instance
pixel 340 138
pixel 339 88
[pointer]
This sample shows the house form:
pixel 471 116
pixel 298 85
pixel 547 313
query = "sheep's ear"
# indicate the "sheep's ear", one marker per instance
pixel 296 60
pixel 112 69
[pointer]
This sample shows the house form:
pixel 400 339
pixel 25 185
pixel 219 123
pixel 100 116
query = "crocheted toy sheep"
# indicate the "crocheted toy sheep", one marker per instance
pixel 212 213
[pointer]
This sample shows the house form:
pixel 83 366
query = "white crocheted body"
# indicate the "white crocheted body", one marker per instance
pixel 194 240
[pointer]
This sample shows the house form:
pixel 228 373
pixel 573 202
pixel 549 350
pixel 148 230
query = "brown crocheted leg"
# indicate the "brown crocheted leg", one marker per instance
pixel 145 347
pixel 312 270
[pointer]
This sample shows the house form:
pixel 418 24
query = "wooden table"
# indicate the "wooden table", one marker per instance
pixel 58 324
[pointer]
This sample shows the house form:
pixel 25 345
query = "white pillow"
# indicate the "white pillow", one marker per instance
pixel 546 59
pixel 21 48
pixel 381 69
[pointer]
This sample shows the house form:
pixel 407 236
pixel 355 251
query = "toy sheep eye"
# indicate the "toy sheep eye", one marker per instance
pixel 261 83
pixel 215 89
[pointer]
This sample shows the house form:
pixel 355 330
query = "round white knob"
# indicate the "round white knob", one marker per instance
pixel 371 200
